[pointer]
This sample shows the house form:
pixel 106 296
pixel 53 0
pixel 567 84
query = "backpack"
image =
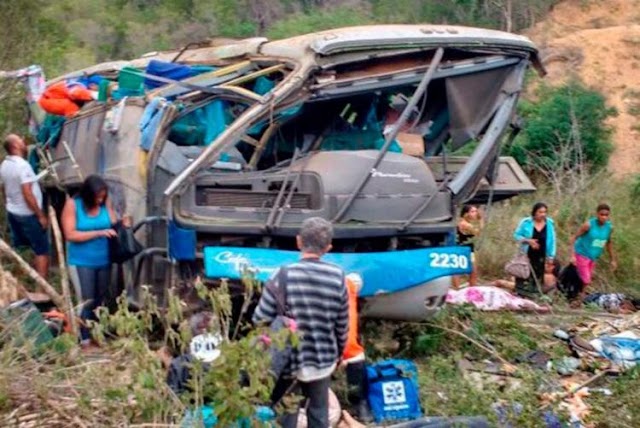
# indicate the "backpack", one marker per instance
pixel 393 391
pixel 179 373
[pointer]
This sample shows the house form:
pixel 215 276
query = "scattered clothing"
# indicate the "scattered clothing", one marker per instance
pixel 622 349
pixel 65 98
pixel 167 70
pixel 205 416
pixel 34 82
pixel 488 298
pixel 567 366
pixel 607 301
pixel 506 413
pixel 446 422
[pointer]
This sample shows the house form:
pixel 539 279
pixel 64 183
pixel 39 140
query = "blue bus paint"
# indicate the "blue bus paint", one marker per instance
pixel 383 272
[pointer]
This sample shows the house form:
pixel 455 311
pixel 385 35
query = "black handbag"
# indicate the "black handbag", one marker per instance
pixel 280 357
pixel 124 246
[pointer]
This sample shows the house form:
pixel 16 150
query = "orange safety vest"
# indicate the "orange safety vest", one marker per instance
pixel 353 350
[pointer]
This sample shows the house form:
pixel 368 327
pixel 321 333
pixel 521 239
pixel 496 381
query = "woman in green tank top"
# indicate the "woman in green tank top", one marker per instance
pixel 588 244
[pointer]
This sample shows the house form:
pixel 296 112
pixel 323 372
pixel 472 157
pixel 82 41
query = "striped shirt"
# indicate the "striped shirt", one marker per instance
pixel 317 300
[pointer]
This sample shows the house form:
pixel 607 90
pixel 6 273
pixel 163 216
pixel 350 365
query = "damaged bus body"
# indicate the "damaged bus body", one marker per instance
pixel 360 126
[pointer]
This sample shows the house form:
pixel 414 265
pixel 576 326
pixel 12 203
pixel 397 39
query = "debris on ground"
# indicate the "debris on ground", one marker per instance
pixel 441 422
pixel 622 349
pixel 537 359
pixel 567 366
pixel 574 355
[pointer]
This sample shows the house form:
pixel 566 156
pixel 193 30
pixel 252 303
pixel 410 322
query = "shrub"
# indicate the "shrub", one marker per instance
pixel 565 129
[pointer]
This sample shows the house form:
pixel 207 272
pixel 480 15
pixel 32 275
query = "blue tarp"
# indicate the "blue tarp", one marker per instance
pixel 170 70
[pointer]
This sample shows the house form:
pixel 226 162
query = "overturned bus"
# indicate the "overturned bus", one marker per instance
pixel 220 150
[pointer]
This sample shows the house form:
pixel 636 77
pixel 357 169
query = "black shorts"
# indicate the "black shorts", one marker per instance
pixel 26 231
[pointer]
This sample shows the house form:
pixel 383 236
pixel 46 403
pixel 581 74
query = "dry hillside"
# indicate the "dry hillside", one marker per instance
pixel 599 40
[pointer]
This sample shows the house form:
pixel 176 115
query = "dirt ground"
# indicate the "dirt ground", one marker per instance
pixel 599 41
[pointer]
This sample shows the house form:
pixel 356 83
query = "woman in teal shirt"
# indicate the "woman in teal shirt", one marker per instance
pixel 588 244
pixel 537 238
pixel 87 221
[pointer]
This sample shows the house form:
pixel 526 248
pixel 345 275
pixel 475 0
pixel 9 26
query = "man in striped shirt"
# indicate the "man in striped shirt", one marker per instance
pixel 317 300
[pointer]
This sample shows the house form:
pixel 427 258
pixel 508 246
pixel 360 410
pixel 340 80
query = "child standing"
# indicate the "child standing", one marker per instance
pixel 588 244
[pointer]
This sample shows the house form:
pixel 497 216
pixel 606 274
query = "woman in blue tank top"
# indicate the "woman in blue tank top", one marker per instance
pixel 87 221
pixel 588 244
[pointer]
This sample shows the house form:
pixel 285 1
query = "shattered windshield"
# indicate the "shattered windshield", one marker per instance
pixel 353 107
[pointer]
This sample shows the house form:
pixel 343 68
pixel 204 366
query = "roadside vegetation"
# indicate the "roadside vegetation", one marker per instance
pixel 565 146
pixel 124 384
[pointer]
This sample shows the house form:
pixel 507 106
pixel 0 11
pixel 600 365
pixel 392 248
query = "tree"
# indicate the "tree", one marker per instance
pixel 565 133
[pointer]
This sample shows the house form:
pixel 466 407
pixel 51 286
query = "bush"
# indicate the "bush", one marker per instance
pixel 565 129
